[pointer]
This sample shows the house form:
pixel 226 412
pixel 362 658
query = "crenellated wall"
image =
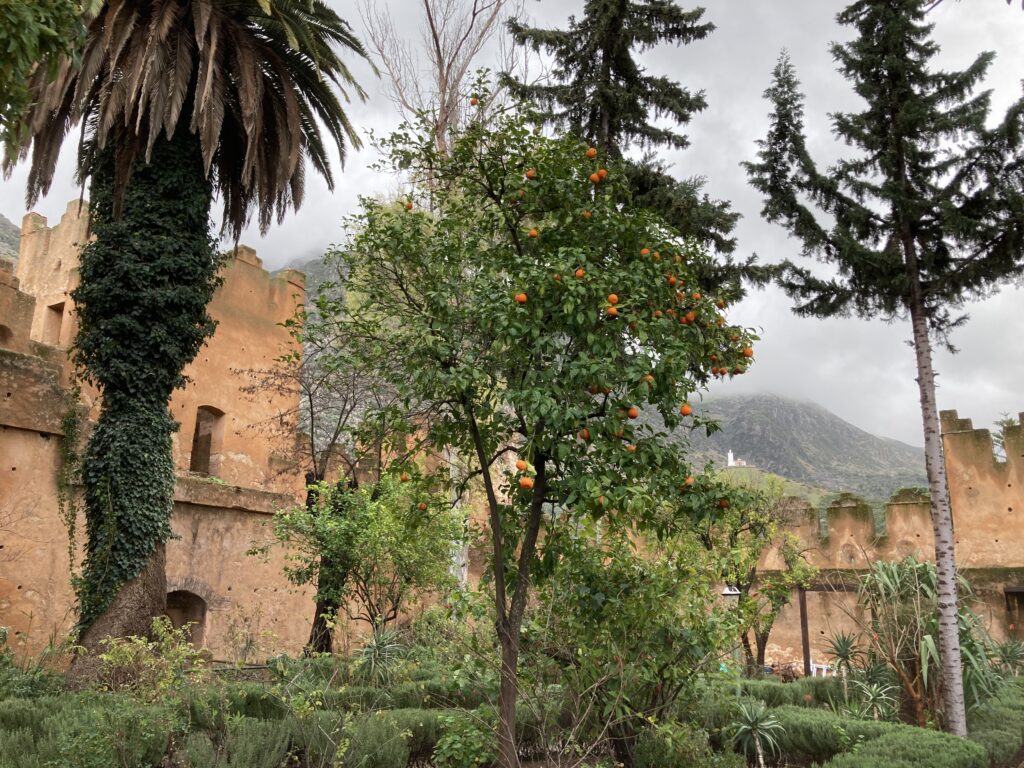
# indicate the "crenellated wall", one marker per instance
pixel 987 496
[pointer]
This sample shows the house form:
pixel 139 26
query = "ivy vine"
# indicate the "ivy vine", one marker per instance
pixel 69 471
pixel 146 280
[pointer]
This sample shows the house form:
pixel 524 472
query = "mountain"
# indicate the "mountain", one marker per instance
pixel 10 238
pixel 806 443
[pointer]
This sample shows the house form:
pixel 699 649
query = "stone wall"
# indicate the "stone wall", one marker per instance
pixel 221 511
pixel 987 495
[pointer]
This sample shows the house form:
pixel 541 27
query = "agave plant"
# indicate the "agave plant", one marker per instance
pixel 756 730
pixel 844 649
pixel 380 657
pixel 1009 657
pixel 877 700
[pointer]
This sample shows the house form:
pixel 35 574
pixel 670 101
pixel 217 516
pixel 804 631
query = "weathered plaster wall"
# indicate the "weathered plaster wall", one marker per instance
pixel 250 607
pixel 988 516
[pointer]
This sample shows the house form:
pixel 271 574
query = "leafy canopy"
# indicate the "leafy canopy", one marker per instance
pixel 927 172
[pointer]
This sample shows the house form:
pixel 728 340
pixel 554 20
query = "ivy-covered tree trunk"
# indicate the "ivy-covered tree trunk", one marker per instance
pixel 146 280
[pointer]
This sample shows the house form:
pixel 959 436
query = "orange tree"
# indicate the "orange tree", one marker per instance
pixel 518 293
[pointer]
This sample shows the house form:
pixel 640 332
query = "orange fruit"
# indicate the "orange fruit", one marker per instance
pixel 696 296
pixel 723 503
pixel 603 174
pixel 613 298
pixel 691 316
pixel 644 251
pixel 404 477
pixel 735 338
pixel 672 280
pixel 592 153
pixel 657 313
pixel 423 506
pixel 613 311
pixel 685 409
pixel 690 480
pixel 738 370
pixel 631 448
pixel 720 303
pixel 531 174
pixel 408 206
pixel 586 215
pixel 474 101
pixel 520 298
pixel 633 412
pixel 520 465
pixel 748 352
pixel 595 179
pixel 648 378
pixel 526 483
pixel 580 273
pixel 713 358
pixel 533 233
pixel 584 434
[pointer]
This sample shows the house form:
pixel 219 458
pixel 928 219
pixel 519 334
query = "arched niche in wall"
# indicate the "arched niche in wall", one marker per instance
pixel 187 608
pixel 206 440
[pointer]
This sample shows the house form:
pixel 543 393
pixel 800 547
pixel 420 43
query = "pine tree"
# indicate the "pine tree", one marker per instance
pixel 602 94
pixel 927 214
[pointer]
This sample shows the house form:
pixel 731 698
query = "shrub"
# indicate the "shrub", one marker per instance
pixel 374 741
pixel 256 701
pixel 198 751
pixel 255 743
pixel 807 691
pixel 910 747
pixel 998 724
pixel 818 735
pixel 469 739
pixel 29 683
pixel 150 669
pixel 99 732
pixel 680 746
pixel 422 728
pixel 29 713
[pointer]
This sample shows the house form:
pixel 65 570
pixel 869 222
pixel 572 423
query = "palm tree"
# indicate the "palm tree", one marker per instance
pixel 179 100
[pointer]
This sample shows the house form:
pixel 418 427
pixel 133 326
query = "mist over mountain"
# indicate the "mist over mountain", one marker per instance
pixel 10 238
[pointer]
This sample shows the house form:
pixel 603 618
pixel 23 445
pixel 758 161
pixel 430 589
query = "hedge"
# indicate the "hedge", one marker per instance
pixel 998 725
pixel 910 747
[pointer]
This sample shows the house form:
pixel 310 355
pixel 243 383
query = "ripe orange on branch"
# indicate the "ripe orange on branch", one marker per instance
pixel 580 273
pixel 613 298
pixel 612 311
pixel 526 483
pixel 531 174
pixel 595 179
pixel 520 298
pixel 533 233
pixel 748 352
pixel 592 153
pixel 633 412
pixel 685 409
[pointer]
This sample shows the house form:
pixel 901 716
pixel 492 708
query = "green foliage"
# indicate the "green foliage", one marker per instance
pixel 632 629
pixel 468 740
pixel 146 279
pixel 598 91
pixel 910 747
pixel 998 724
pixel 756 731
pixel 102 732
pixel 380 656
pixel 379 549
pixel 818 735
pixel 376 742
pixel 901 598
pixel 804 692
pixel 151 669
pixel 34 36
pixel 675 745
pixel 255 743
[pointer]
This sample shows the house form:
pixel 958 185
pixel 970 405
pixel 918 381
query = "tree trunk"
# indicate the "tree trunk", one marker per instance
pixel 321 639
pixel 508 756
pixel 748 653
pixel 145 281
pixel 954 714
pixel 131 613
pixel 761 638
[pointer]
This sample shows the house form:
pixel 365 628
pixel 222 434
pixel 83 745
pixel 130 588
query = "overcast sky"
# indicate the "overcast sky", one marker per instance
pixel 863 371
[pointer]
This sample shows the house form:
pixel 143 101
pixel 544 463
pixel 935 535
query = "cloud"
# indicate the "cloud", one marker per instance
pixel 862 370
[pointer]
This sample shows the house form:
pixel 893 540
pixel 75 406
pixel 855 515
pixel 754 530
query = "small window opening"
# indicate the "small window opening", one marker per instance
pixel 53 320
pixel 206 440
